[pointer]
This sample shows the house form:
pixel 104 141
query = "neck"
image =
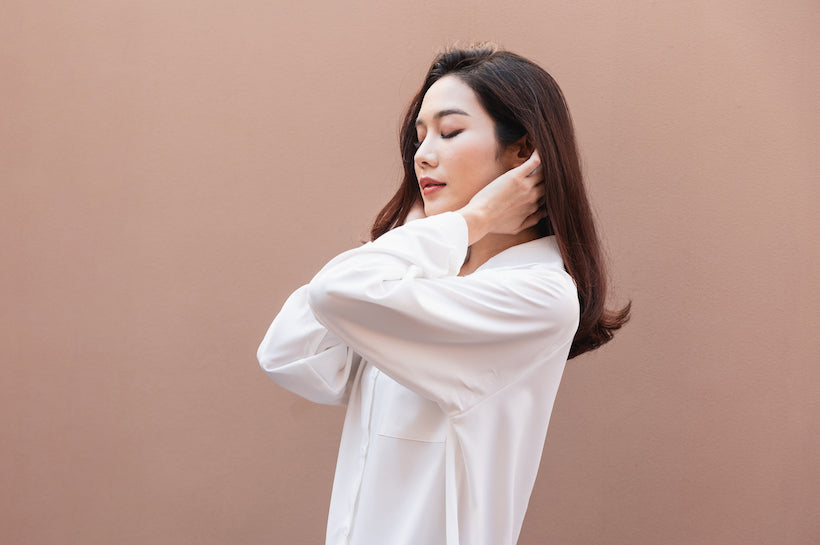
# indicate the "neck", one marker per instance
pixel 493 244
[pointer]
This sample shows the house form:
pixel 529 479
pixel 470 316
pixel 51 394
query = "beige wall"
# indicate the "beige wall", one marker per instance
pixel 172 170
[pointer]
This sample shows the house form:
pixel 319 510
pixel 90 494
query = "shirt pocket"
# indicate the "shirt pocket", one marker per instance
pixel 407 415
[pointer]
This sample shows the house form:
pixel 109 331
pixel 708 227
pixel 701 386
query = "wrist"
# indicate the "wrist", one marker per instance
pixel 477 223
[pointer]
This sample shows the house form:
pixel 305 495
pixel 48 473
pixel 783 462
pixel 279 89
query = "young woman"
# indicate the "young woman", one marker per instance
pixel 447 335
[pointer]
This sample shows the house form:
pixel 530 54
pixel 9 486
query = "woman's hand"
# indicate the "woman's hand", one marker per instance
pixel 509 204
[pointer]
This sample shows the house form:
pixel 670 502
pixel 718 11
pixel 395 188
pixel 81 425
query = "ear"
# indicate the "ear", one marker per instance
pixel 519 151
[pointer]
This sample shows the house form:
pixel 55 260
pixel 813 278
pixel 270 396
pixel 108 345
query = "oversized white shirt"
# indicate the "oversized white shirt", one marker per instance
pixel 449 381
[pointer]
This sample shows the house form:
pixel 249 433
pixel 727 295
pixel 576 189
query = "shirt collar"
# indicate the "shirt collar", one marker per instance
pixel 542 250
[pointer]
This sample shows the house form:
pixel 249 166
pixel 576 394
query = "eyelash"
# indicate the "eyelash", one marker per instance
pixel 447 136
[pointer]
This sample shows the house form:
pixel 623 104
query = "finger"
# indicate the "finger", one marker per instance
pixel 537 186
pixel 534 218
pixel 531 165
pixel 535 163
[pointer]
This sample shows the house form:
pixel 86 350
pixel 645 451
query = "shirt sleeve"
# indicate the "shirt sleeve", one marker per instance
pixel 302 356
pixel 399 303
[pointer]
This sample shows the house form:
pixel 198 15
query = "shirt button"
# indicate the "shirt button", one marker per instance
pixel 363 450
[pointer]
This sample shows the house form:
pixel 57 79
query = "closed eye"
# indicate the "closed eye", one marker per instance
pixel 420 135
pixel 452 134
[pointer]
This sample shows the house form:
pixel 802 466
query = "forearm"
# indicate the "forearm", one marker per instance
pixel 301 355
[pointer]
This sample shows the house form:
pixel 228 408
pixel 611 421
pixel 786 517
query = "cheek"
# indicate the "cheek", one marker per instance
pixel 481 165
pixel 474 157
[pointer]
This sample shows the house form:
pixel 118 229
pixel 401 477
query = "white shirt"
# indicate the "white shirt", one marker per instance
pixel 449 381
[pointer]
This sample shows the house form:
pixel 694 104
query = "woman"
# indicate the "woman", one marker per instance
pixel 447 335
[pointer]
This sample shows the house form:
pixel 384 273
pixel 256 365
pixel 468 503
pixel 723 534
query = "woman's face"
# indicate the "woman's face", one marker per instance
pixel 458 153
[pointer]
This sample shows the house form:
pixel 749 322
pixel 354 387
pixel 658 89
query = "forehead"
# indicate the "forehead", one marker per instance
pixel 450 93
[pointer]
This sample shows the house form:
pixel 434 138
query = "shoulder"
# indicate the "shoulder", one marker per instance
pixel 533 273
pixel 551 290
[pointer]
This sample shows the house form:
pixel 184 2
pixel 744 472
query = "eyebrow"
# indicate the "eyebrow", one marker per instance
pixel 442 113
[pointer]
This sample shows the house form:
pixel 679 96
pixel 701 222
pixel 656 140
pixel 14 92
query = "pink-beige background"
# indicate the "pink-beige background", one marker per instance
pixel 170 171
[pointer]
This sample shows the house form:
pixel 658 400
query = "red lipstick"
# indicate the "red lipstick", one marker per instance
pixel 430 185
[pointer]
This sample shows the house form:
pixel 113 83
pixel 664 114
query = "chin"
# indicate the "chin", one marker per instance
pixel 431 209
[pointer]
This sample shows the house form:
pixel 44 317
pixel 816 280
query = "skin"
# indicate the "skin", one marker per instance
pixel 499 192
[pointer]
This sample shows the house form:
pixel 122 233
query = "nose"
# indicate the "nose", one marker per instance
pixel 425 156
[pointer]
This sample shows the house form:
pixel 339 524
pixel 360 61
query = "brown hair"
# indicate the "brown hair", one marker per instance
pixel 523 99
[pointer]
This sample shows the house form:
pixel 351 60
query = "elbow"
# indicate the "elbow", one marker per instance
pixel 275 351
pixel 324 296
pixel 265 355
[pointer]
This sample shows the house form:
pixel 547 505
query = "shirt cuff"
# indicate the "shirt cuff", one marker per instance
pixel 437 243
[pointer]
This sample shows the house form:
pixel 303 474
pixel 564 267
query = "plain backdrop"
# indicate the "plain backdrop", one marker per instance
pixel 171 170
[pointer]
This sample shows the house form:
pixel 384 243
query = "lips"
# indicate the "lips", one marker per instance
pixel 430 185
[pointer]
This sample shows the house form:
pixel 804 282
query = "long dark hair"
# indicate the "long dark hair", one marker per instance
pixel 523 99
